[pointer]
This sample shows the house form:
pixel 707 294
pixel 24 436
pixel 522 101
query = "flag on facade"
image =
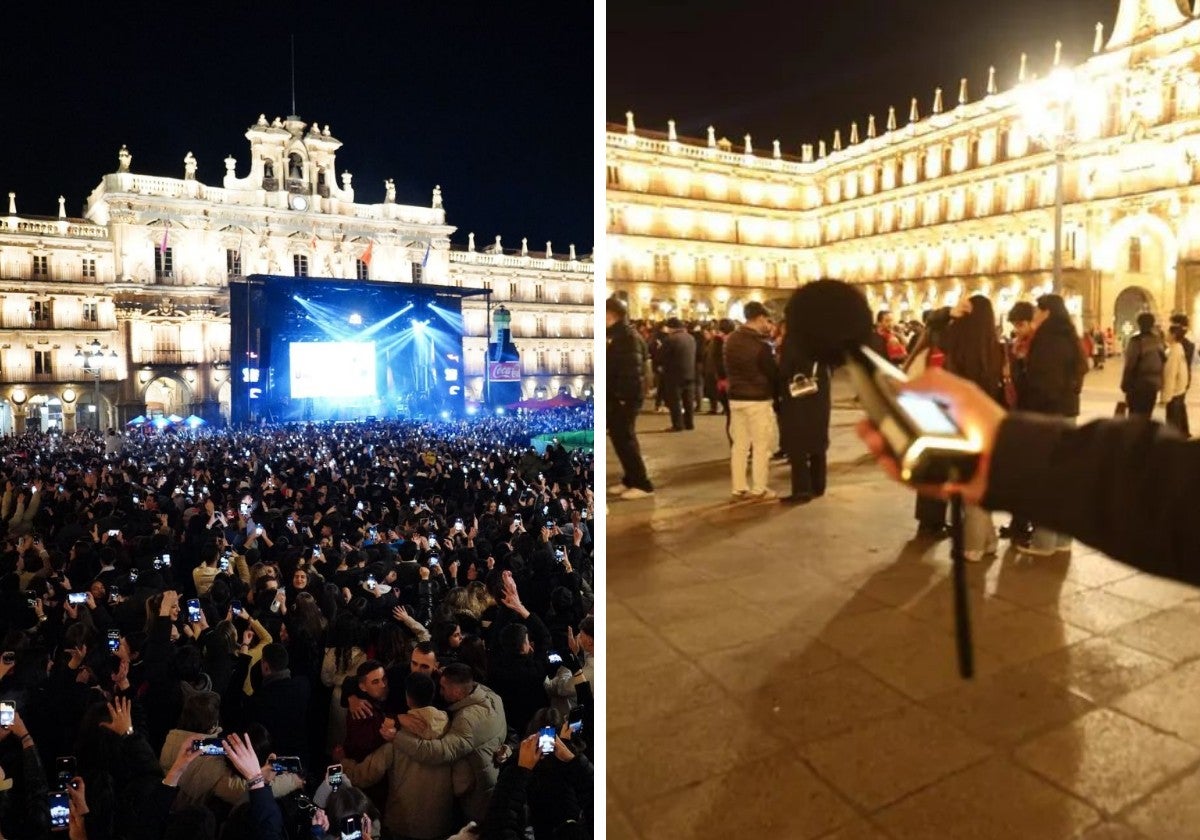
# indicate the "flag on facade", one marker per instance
pixel 313 242
pixel 425 260
pixel 366 256
pixel 162 247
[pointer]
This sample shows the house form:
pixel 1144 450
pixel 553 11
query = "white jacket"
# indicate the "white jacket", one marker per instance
pixel 1175 375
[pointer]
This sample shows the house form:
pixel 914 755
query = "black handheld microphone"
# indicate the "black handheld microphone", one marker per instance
pixel 832 322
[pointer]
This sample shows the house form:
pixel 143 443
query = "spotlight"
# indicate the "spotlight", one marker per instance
pixel 445 415
pixel 418 326
pixel 355 319
pixel 499 410
pixel 472 410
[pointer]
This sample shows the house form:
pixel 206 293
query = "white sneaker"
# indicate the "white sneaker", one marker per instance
pixel 617 489
pixel 636 493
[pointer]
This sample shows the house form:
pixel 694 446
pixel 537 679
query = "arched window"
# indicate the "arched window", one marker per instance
pixel 1135 254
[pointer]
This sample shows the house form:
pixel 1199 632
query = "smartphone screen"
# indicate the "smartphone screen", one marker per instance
pixel 930 417
pixel 8 713
pixel 546 740
pixel 193 606
pixel 333 774
pixel 77 598
pixel 208 746
pixel 351 827
pixel 236 606
pixel 65 769
pixel 60 810
pixel 114 640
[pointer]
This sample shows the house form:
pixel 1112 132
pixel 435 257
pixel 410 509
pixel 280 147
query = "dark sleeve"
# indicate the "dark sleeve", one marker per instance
pixel 768 365
pixel 152 820
pixel 1046 376
pixel 1132 350
pixel 266 820
pixel 1128 488
pixel 35 789
pixel 505 818
pixel 538 632
pixel 581 779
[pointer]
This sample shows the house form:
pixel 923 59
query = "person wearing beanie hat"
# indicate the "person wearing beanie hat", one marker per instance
pixel 626 355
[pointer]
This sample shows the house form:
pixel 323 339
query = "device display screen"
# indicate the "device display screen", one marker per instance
pixel 546 740
pixel 930 417
pixel 60 810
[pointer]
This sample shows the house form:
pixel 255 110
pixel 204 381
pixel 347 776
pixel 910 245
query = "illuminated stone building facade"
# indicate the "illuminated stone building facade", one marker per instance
pixel 143 279
pixel 957 201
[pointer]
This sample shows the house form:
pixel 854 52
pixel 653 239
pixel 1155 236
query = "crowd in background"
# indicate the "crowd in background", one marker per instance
pixel 300 631
pixel 1031 358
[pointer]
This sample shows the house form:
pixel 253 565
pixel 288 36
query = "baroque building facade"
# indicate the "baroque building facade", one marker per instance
pixel 140 283
pixel 960 201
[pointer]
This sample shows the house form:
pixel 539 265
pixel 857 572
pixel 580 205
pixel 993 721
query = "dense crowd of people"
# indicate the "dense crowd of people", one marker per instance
pixel 374 630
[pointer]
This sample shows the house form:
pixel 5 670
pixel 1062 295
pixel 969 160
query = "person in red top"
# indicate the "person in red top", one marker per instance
pixel 885 342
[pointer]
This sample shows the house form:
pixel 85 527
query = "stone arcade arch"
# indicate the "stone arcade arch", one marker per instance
pixel 1139 254
pixel 165 395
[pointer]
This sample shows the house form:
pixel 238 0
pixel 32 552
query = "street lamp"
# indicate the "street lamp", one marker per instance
pixel 1044 112
pixel 94 361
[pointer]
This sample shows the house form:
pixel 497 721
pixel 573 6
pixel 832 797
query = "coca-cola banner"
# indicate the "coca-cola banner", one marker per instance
pixel 504 371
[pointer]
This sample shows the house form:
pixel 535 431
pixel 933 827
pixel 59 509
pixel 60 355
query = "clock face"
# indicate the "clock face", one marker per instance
pixel 299 202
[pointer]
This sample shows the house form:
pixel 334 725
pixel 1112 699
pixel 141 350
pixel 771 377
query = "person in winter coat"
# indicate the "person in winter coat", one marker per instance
pixel 715 385
pixel 803 417
pixel 476 731
pixel 753 385
pixel 1142 378
pixel 1054 371
pixel 626 357
pixel 973 352
pixel 1175 381
pixel 677 362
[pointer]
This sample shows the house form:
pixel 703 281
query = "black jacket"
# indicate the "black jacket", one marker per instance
pixel 626 356
pixel 803 421
pixel 1128 488
pixel 281 705
pixel 1054 370
pixel 750 365
pixel 677 357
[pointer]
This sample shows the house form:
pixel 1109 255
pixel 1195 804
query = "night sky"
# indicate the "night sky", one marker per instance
pixel 797 71
pixel 493 101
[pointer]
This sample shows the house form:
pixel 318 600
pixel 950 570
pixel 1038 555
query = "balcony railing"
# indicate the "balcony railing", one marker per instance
pixel 169 357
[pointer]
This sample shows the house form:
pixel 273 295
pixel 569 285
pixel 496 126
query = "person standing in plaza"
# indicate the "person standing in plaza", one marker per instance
pixel 1019 528
pixel 1175 381
pixel 753 383
pixel 626 360
pixel 804 414
pixel 1189 356
pixel 884 341
pixel 1143 375
pixel 677 360
pixel 973 352
pixel 1054 372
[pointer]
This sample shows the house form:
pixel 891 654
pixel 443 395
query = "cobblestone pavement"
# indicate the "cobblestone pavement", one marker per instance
pixel 790 672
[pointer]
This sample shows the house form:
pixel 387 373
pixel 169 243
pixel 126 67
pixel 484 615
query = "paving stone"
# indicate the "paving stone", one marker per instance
pixel 1100 669
pixel 1168 703
pixel 776 795
pixel 1096 610
pixel 1155 591
pixel 883 760
pixel 1173 812
pixel 1172 633
pixel 1008 707
pixel 995 800
pixel 653 757
pixel 1107 759
pixel 1024 634
pixel 651 691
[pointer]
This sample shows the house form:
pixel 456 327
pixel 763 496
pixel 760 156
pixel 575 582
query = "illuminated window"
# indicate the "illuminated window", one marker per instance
pixel 91 313
pixel 662 267
pixel 233 262
pixel 614 176
pixel 163 263
pixel 41 266
pixel 89 267
pixel 40 313
pixel 564 362
pixel 418 272
pixel 539 292
pixel 361 270
pixel 300 265
pixel 1135 254
pixel 41 363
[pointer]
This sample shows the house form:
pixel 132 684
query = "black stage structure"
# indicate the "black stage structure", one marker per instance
pixel 329 349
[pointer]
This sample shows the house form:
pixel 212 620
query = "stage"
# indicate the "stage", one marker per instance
pixel 321 349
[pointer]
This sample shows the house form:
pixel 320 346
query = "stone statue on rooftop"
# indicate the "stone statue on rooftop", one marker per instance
pixel 124 159
pixel 189 167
